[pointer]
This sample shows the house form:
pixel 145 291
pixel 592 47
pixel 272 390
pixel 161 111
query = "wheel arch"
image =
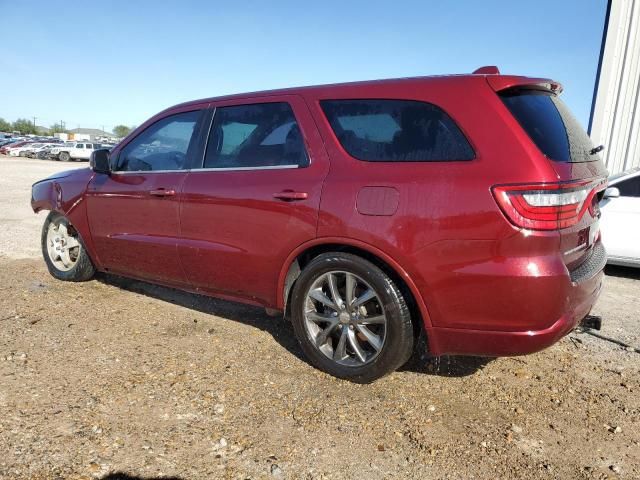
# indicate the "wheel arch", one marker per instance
pixel 300 257
pixel 66 198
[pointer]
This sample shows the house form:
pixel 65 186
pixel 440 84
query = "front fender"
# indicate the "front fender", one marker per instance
pixel 65 193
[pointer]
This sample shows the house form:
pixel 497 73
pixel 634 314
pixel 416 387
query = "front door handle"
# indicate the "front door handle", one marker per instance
pixel 290 195
pixel 162 192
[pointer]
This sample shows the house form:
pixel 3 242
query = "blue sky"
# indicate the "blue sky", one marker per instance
pixel 95 64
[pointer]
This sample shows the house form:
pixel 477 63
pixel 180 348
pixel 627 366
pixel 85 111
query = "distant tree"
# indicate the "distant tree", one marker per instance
pixel 57 128
pixel 121 130
pixel 24 126
pixel 4 125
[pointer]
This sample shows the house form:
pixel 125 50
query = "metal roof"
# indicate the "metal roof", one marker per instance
pixel 615 121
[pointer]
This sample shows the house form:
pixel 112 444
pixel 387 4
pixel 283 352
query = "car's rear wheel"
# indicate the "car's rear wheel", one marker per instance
pixel 350 318
pixel 63 250
pixel 64 156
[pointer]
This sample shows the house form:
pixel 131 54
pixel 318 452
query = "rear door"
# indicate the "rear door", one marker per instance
pixel 569 150
pixel 255 197
pixel 133 212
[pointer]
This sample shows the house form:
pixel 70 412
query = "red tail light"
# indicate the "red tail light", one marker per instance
pixel 546 206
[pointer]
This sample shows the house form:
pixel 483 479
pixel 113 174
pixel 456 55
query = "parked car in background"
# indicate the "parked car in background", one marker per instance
pixel 73 151
pixel 35 149
pixel 620 221
pixel 7 141
pixel 366 211
pixel 8 149
pixel 28 148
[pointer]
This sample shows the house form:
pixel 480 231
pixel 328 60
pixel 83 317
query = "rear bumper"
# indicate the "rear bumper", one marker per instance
pixel 461 341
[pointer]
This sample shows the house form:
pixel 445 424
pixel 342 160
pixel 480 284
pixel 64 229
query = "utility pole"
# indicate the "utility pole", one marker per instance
pixel 34 123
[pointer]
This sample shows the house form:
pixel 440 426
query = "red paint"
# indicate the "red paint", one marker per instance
pixel 482 284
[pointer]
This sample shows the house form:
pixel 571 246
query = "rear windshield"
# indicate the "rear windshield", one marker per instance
pixel 377 130
pixel 550 125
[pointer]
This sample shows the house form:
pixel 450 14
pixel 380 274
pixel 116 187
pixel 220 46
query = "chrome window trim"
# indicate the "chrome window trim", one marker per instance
pixel 196 170
pixel 131 172
pixel 245 169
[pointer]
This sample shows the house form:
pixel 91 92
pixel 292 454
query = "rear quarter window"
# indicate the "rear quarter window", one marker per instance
pixel 376 130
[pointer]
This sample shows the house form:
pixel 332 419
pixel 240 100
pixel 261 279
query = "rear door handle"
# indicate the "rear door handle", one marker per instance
pixel 162 192
pixel 290 196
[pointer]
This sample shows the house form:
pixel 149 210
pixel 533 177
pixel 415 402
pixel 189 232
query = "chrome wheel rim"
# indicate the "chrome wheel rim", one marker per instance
pixel 63 246
pixel 344 318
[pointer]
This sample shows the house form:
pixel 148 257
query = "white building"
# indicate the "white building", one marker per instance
pixel 615 115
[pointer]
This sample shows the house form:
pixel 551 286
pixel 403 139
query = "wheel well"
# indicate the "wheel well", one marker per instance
pixel 302 260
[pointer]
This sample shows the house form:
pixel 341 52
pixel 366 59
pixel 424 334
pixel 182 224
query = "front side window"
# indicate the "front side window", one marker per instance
pixel 161 146
pixel 396 131
pixel 254 136
pixel 80 145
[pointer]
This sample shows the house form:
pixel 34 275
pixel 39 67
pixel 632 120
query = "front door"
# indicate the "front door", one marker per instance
pixel 133 212
pixel 255 199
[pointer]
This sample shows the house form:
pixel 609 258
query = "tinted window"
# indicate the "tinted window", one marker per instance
pixel 550 124
pixel 259 135
pixel 396 131
pixel 629 188
pixel 80 145
pixel 162 146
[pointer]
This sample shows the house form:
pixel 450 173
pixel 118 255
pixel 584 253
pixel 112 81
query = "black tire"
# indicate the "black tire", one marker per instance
pixel 64 156
pixel 83 269
pixel 399 341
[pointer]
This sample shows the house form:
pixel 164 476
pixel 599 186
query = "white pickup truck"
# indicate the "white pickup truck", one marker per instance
pixel 73 151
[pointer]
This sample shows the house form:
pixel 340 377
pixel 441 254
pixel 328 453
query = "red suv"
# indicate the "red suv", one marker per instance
pixel 463 205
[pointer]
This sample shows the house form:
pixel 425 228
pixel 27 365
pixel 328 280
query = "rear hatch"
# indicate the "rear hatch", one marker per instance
pixel 581 173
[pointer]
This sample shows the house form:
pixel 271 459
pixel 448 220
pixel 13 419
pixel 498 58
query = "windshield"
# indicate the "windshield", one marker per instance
pixel 550 124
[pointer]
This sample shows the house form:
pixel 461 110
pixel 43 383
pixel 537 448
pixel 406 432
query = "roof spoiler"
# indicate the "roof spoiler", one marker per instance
pixel 503 82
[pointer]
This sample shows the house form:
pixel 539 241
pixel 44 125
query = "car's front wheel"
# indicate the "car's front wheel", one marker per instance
pixel 63 250
pixel 350 318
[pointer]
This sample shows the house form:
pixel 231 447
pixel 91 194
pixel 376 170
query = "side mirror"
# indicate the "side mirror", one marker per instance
pixel 99 161
pixel 611 192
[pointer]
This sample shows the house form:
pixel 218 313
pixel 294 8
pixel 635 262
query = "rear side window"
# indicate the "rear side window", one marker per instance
pixel 396 131
pixel 255 136
pixel 550 125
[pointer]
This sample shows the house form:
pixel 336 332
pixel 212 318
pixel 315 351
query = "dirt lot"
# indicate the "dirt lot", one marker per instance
pixel 114 377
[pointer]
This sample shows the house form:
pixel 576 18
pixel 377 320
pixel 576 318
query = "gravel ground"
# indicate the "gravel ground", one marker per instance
pixel 116 378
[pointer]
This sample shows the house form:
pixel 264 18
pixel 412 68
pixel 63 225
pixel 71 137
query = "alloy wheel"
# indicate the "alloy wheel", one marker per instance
pixel 344 318
pixel 63 246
